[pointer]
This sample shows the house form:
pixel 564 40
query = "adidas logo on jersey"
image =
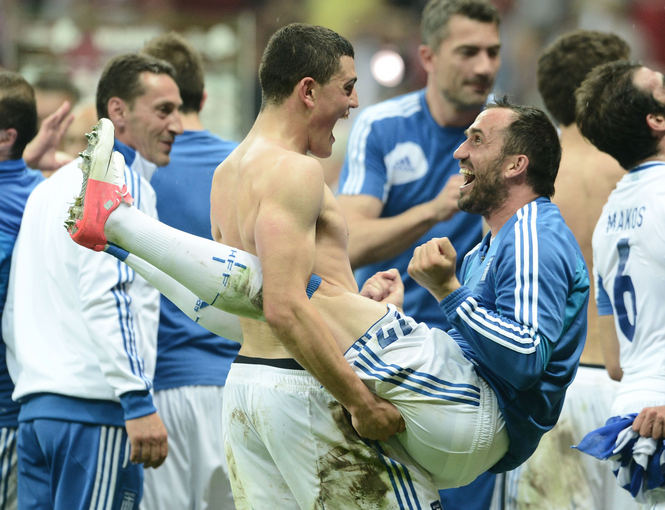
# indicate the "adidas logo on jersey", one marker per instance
pixel 403 165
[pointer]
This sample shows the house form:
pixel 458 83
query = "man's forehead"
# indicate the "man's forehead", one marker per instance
pixel 159 88
pixel 463 31
pixel 492 120
pixel 347 68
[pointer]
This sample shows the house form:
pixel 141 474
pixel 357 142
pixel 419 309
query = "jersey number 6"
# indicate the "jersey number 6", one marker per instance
pixel 624 285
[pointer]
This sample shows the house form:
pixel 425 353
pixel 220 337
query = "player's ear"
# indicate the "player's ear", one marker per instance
pixel 306 89
pixel 516 165
pixel 426 56
pixel 117 110
pixel 656 121
pixel 7 137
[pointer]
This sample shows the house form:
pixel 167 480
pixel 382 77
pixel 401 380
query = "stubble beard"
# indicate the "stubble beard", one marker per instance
pixel 487 194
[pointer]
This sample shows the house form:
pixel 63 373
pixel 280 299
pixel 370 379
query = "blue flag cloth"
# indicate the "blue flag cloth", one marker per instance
pixel 637 462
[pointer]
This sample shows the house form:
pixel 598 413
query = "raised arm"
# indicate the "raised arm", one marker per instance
pixel 497 333
pixel 373 238
pixel 364 184
pixel 42 152
pixel 285 238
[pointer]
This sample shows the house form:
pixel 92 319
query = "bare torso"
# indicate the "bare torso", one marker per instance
pixel 585 179
pixel 251 174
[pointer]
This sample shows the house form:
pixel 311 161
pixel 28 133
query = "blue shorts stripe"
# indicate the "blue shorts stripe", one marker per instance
pixel 412 488
pixel 415 389
pixel 399 474
pixel 409 481
pixel 404 382
pixel 414 373
pixel 391 475
pixel 396 467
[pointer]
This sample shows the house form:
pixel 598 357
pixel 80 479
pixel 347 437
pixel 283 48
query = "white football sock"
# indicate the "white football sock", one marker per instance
pixel 224 277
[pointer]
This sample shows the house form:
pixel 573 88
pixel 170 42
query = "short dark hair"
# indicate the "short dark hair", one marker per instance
pixel 437 13
pixel 18 110
pixel 57 81
pixel 611 112
pixel 533 134
pixel 121 78
pixel 296 51
pixel 187 63
pixel 564 64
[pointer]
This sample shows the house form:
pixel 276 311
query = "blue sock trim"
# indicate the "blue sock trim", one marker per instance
pixel 115 250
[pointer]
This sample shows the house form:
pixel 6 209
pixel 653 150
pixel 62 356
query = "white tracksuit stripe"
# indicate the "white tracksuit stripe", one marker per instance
pixel 127 452
pixel 108 468
pixel 526 267
pixel 523 339
pixel 98 472
pixel 114 454
pixel 534 249
pixel 518 264
pixel 480 316
pixel 486 332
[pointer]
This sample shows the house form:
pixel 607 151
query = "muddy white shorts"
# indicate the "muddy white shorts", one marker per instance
pixel 289 445
pixel 454 428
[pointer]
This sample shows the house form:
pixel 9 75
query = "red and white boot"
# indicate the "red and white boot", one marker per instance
pixel 102 191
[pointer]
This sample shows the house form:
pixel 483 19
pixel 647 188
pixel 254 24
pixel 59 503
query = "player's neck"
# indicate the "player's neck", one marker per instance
pixel 191 121
pixel 660 155
pixel 571 137
pixel 518 197
pixel 282 127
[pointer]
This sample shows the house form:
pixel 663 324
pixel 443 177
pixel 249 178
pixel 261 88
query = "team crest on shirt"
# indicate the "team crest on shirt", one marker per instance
pixel 405 163
pixel 436 505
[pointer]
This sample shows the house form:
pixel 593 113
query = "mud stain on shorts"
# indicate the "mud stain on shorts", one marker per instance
pixel 351 472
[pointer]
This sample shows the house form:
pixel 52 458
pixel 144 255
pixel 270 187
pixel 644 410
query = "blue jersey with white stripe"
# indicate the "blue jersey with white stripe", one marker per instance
pixel 520 317
pixel 400 155
pixel 188 354
pixel 16 183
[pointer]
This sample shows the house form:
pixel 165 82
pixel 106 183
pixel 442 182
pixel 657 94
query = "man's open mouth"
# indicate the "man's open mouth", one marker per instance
pixel 469 176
